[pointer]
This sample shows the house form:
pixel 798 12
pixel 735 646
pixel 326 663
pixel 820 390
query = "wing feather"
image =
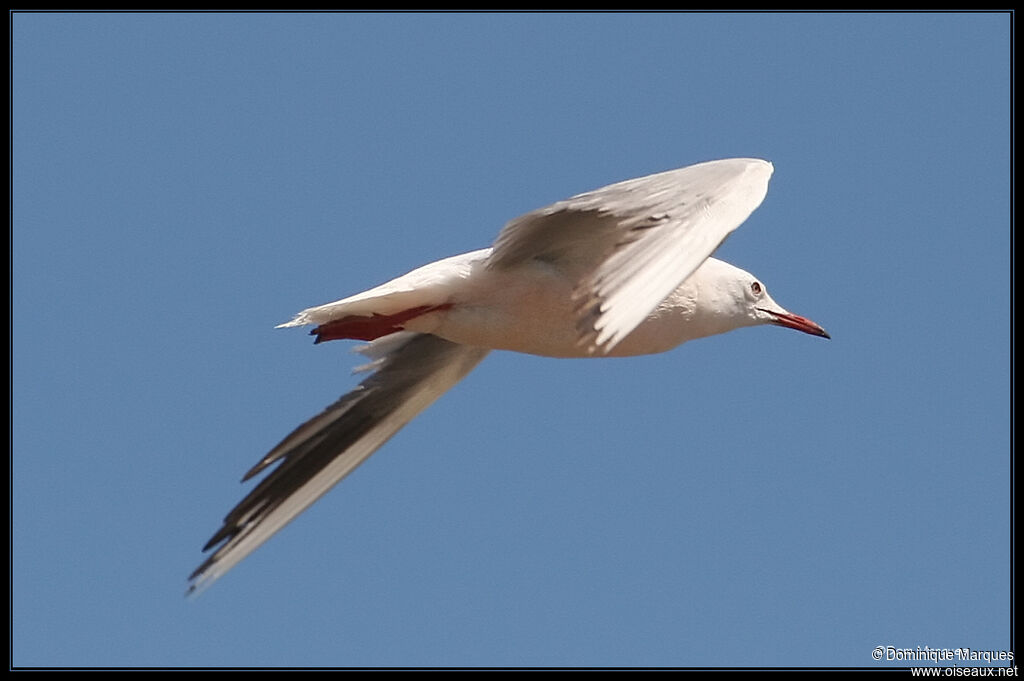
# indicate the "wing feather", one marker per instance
pixel 629 245
pixel 410 371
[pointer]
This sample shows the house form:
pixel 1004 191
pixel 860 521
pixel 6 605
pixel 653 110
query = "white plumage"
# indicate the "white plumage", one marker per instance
pixel 622 270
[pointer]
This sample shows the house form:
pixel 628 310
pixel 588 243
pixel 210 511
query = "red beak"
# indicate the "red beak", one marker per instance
pixel 795 321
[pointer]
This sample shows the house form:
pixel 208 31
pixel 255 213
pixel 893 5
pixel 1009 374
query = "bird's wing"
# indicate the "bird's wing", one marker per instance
pixel 410 371
pixel 628 245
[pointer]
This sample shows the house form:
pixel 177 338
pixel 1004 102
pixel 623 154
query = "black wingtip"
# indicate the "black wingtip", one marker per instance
pixel 221 534
pixel 255 470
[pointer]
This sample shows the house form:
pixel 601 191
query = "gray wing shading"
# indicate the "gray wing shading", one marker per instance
pixel 410 371
pixel 629 245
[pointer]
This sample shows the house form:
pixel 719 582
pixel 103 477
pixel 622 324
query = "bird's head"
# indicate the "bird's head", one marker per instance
pixel 737 298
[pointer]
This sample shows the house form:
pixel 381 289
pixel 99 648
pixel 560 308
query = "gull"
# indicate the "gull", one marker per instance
pixel 619 271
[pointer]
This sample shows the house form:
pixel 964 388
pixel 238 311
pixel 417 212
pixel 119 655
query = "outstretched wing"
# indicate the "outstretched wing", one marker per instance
pixel 410 371
pixel 629 245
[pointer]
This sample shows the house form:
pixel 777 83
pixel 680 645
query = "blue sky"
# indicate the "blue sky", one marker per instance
pixel 184 182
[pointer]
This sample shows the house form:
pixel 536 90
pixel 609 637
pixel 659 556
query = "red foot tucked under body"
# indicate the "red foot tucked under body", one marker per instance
pixel 359 327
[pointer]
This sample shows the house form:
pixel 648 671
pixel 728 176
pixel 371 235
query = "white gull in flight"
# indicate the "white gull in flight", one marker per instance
pixel 622 270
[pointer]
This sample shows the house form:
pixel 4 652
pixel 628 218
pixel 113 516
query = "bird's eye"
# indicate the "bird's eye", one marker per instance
pixel 756 288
